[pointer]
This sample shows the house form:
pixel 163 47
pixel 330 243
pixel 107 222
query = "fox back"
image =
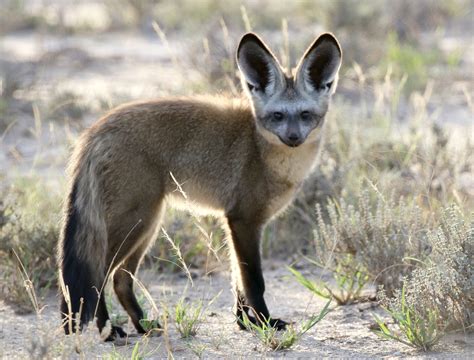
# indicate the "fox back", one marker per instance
pixel 241 159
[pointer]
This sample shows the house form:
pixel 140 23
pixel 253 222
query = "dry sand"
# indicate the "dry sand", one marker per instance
pixel 343 333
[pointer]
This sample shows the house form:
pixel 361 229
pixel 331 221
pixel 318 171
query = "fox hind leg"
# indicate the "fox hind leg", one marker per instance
pixel 123 276
pixel 123 286
pixel 103 320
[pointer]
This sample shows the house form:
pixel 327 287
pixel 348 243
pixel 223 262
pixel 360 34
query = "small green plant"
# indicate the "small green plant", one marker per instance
pixel 415 329
pixel 349 276
pixel 188 317
pixel 271 338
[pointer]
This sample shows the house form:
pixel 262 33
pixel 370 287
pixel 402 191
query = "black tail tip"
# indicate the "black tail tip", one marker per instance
pixel 79 296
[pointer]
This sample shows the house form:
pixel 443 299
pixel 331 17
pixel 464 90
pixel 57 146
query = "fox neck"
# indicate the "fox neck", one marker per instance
pixel 287 164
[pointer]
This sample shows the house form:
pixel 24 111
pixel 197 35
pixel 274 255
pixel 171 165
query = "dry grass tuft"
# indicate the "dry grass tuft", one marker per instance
pixel 28 236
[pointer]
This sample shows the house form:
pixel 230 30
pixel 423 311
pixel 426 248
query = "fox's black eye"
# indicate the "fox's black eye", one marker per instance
pixel 277 116
pixel 305 115
pixel 326 86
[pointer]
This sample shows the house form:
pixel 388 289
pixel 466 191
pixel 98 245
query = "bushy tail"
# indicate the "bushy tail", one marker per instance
pixel 81 257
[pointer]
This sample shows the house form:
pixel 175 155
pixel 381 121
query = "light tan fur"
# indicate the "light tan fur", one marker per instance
pixel 207 143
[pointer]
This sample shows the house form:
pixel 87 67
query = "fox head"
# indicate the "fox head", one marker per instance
pixel 289 109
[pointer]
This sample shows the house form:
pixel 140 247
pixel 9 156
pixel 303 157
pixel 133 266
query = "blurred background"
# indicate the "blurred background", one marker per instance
pixel 399 147
pixel 63 63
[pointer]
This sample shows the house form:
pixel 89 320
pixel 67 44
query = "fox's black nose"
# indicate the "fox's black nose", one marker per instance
pixel 293 139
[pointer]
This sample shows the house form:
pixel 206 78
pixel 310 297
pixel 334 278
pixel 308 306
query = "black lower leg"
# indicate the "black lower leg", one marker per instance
pixel 245 239
pixel 103 319
pixel 123 286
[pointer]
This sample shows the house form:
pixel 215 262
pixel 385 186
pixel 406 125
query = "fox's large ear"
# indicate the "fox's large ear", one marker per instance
pixel 260 69
pixel 318 68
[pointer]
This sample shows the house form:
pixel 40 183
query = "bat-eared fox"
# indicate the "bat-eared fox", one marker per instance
pixel 239 159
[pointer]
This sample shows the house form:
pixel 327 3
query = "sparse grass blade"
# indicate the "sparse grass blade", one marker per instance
pixel 317 289
pixel 136 352
pixel 179 255
pixel 188 315
pixel 30 289
pixel 313 320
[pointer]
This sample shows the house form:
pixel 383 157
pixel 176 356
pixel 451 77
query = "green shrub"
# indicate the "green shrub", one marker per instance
pixel 439 294
pixel 379 237
pixel 442 282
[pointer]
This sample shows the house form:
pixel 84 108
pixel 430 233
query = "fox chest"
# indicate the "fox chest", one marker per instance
pixel 285 178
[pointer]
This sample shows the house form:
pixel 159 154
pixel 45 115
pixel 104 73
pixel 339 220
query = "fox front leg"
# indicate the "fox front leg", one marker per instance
pixel 246 245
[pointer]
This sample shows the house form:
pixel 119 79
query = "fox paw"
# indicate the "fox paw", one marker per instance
pixel 275 323
pixel 278 324
pixel 115 333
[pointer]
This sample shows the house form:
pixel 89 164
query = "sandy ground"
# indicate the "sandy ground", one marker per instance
pixel 343 333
